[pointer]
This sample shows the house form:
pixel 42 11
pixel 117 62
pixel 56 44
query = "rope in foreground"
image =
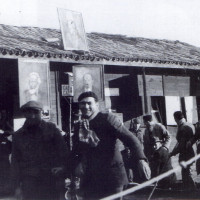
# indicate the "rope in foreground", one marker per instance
pixel 183 164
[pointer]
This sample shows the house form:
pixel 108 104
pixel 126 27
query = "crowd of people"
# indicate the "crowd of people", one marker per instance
pixel 41 160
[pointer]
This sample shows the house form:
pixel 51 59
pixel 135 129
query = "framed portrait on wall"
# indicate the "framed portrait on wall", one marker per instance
pixel 88 78
pixel 34 82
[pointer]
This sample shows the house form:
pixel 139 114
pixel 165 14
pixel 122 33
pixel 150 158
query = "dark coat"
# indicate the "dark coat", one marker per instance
pixel 161 162
pixel 105 168
pixel 159 133
pixel 36 151
pixel 196 138
pixel 5 150
pixel 184 134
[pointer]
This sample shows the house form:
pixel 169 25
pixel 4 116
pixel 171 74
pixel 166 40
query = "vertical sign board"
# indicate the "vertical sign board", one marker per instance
pixel 72 28
pixel 67 89
pixel 176 86
pixel 154 86
pixel 34 82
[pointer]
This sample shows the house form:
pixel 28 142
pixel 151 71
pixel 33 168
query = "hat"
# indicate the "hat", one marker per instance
pixel 32 105
pixel 147 118
pixel 87 94
pixel 136 121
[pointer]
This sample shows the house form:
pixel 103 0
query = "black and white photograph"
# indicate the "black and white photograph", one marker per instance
pixel 99 100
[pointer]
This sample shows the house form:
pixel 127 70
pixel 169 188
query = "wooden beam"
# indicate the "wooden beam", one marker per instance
pixel 144 91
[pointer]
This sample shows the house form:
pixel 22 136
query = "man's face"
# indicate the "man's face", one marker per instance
pixel 149 125
pixel 33 83
pixel 136 126
pixel 33 116
pixel 88 106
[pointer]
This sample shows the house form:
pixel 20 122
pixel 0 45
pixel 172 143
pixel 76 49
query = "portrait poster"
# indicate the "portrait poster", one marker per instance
pixel 34 82
pixel 88 78
pixel 72 29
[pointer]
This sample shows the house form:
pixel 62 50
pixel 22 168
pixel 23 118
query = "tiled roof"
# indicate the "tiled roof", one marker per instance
pixel 33 42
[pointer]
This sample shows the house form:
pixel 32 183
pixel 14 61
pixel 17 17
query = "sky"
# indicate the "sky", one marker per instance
pixel 155 19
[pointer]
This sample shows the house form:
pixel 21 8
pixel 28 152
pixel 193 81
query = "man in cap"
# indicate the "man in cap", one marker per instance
pixel 128 157
pixel 104 169
pixel 136 129
pixel 160 163
pixel 38 156
pixel 154 131
pixel 185 133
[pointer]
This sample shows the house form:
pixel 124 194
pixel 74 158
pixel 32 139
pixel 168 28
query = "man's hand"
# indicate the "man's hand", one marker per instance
pixel 56 171
pixel 164 147
pixel 144 170
pixel 85 124
pixel 93 139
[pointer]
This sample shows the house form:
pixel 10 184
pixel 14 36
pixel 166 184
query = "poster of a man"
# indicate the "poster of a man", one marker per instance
pixel 33 82
pixel 88 78
pixel 88 83
pixel 33 93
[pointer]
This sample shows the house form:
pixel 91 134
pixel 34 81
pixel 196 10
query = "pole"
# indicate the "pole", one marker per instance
pixel 183 164
pixel 70 122
pixel 145 91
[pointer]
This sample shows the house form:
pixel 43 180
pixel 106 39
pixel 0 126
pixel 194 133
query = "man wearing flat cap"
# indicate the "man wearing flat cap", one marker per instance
pixel 184 134
pixel 38 156
pixel 104 169
pixel 155 131
pixel 128 157
pixel 160 163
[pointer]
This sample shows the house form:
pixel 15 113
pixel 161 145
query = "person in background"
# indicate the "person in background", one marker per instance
pixel 5 124
pixel 136 130
pixel 154 131
pixel 97 133
pixel 6 131
pixel 160 162
pixel 185 133
pixel 190 143
pixel 39 157
pixel 128 157
pixel 5 151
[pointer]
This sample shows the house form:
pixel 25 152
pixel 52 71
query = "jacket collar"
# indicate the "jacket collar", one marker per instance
pixel 93 116
pixel 181 122
pixel 25 128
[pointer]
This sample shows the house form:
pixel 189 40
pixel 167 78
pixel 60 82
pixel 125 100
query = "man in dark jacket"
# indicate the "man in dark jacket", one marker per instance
pixel 38 157
pixel 196 138
pixel 184 134
pixel 128 157
pixel 5 151
pixel 97 136
pixel 160 162
pixel 154 131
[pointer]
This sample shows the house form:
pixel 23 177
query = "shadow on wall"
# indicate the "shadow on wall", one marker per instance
pixel 128 102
